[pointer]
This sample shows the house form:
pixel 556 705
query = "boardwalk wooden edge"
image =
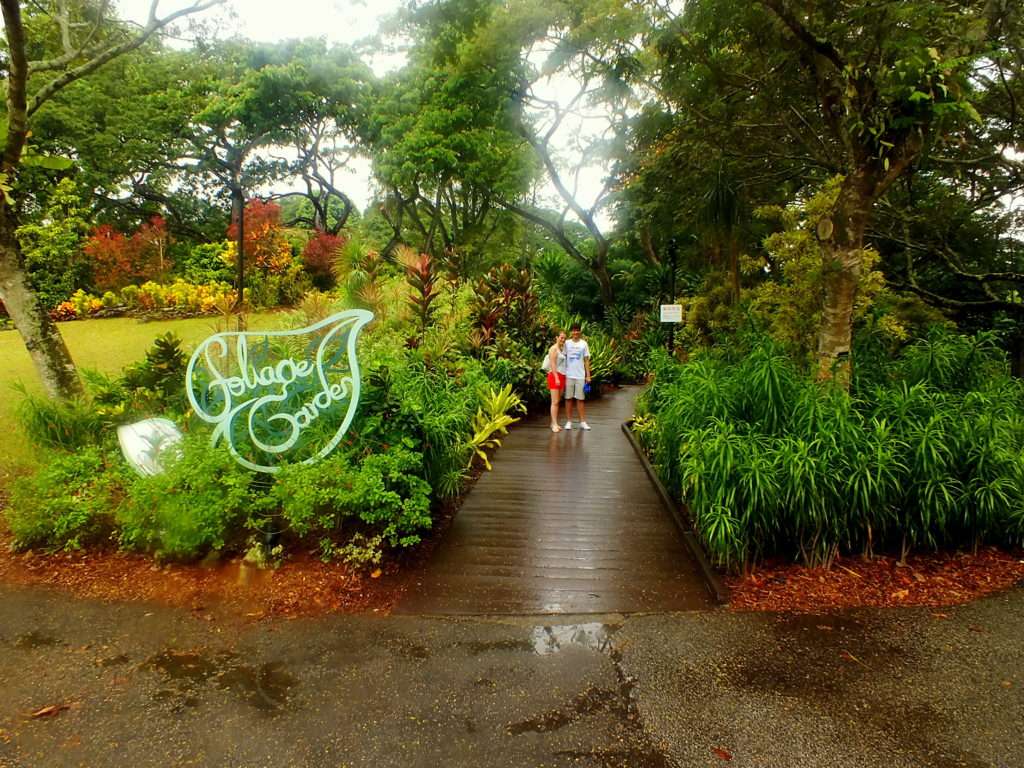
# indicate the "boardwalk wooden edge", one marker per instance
pixel 719 591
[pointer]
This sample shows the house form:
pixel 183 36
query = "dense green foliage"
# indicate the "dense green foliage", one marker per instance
pixel 421 428
pixel 930 454
pixel 68 503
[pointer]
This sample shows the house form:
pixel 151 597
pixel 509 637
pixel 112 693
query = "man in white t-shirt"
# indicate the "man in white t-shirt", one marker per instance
pixel 577 375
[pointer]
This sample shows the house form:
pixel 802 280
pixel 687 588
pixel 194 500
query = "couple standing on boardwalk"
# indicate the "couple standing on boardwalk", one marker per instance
pixel 568 367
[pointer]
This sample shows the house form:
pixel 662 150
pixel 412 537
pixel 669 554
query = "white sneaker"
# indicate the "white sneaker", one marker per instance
pixel 568 425
pixel 584 425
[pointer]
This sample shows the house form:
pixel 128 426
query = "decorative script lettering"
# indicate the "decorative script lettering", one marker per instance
pixel 278 396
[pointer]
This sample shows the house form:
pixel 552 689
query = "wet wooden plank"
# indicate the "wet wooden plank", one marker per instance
pixel 564 523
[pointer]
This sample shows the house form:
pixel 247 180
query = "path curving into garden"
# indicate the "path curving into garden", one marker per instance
pixel 565 523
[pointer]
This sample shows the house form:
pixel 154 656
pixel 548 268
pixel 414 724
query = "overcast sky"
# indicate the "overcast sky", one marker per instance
pixel 343 21
pixel 350 21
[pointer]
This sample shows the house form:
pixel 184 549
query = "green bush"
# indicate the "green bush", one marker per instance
pixel 153 385
pixel 426 408
pixel 208 263
pixel 69 503
pixel 202 501
pixel 384 491
pixel 773 463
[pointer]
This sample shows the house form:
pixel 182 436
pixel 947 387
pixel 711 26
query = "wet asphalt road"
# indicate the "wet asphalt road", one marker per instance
pixel 153 686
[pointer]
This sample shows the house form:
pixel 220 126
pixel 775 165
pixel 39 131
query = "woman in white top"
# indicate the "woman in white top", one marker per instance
pixel 556 377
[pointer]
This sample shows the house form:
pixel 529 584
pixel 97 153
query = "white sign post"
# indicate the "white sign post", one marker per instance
pixel 671 313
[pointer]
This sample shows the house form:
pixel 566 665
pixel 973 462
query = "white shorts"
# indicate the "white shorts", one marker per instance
pixel 574 389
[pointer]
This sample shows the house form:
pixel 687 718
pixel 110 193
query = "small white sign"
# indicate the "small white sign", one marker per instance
pixel 671 313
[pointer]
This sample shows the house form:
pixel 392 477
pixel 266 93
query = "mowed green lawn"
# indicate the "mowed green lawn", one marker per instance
pixel 102 345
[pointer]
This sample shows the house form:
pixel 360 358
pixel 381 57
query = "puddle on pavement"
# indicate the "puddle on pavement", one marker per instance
pixel 816 657
pixel 266 687
pixel 478 647
pixel 189 667
pixel 547 640
pixel 35 639
pixel 554 638
pixel 587 703
pixel 634 749
pixel 831 662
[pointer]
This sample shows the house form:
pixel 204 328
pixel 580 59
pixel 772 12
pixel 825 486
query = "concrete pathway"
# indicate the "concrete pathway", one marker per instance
pixel 141 686
pixel 565 523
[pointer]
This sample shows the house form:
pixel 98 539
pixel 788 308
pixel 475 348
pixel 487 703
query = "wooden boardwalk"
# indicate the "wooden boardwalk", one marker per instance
pixel 564 523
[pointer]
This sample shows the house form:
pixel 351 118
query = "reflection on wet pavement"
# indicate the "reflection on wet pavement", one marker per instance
pixel 265 687
pixel 592 637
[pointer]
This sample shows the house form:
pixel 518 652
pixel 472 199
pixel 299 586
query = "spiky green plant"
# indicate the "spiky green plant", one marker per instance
pixel 772 463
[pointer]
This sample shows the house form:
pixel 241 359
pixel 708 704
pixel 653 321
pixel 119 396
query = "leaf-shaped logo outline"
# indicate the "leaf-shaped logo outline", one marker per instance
pixel 352 320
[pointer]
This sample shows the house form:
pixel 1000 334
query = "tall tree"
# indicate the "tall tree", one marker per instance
pixel 571 105
pixel 445 150
pixel 88 40
pixel 883 95
pixel 329 130
pixel 255 94
pixel 795 91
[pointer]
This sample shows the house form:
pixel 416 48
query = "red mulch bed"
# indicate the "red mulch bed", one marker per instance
pixel 926 580
pixel 302 586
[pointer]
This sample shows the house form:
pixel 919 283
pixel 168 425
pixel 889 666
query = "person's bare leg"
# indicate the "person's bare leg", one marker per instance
pixel 568 409
pixel 583 411
pixel 556 395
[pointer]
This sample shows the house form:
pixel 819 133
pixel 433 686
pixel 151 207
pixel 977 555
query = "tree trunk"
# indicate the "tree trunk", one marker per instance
pixel 43 341
pixel 599 268
pixel 844 255
pixel 604 280
pixel 238 214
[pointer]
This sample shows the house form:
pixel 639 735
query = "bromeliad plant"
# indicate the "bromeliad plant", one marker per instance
pixel 775 464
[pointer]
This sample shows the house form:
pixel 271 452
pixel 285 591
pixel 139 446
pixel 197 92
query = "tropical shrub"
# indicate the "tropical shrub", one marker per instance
pixel 383 492
pixel 775 464
pixel 118 260
pixel 182 296
pixel 504 302
pixel 285 287
pixel 60 424
pixel 492 420
pixel 266 245
pixel 203 500
pixel 209 263
pixel 319 257
pixel 421 275
pixel 68 504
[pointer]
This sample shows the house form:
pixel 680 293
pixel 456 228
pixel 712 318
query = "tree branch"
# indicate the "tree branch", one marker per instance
pixel 557 232
pixel 821 47
pixel 153 26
